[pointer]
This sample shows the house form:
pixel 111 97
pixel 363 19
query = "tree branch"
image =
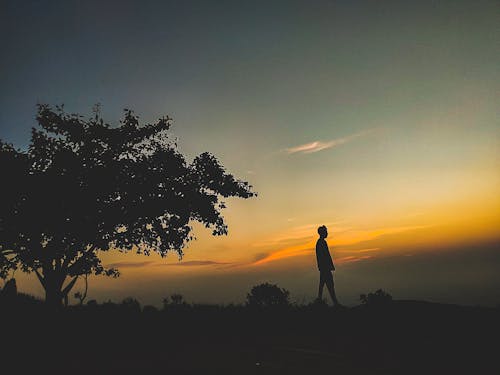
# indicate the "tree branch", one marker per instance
pixel 68 287
pixel 40 278
pixel 70 265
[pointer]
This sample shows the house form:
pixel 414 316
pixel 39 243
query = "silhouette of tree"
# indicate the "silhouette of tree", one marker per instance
pixel 5 263
pixel 83 187
pixel 131 304
pixel 10 164
pixel 268 295
pixel 379 297
pixel 81 296
pixel 9 290
pixel 176 300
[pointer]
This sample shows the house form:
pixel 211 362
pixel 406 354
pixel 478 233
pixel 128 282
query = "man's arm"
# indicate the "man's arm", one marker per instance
pixel 318 259
pixel 329 257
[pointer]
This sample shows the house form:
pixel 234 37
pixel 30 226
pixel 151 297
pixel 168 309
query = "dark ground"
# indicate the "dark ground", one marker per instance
pixel 402 337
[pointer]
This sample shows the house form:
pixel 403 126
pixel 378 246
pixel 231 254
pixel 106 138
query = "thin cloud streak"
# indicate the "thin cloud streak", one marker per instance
pixel 192 263
pixel 316 146
pixel 306 245
pixel 189 263
pixel 368 250
pixel 353 258
pixel 129 264
pixel 308 249
pixel 285 253
pixel 300 233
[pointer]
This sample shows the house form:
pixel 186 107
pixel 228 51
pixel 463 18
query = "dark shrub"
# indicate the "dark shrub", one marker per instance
pixel 268 295
pixel 378 298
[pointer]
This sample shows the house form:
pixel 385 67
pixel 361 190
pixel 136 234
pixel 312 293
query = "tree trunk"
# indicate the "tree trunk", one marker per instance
pixel 53 294
pixel 52 283
pixel 53 297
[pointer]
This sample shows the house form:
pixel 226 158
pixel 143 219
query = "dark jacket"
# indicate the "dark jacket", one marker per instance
pixel 323 257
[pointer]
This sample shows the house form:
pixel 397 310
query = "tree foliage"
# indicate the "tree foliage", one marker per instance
pixel 377 298
pixel 268 295
pixel 84 186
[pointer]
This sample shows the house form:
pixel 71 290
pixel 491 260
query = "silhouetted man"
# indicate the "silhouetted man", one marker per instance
pixel 325 266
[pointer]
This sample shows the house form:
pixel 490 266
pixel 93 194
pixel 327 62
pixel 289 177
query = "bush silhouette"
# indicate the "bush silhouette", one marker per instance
pixel 268 295
pixel 378 298
pixel 175 300
pixel 131 304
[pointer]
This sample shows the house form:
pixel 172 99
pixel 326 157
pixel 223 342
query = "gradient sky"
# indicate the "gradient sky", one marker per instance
pixel 377 119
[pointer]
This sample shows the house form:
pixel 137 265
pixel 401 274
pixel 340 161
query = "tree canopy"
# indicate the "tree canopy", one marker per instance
pixel 84 186
pixel 268 295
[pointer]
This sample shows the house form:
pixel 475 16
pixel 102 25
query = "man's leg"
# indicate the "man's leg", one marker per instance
pixel 331 289
pixel 321 285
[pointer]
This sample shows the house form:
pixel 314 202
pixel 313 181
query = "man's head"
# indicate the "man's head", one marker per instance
pixel 322 231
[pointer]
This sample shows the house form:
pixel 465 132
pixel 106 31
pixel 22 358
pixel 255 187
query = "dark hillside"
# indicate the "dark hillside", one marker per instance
pixel 402 337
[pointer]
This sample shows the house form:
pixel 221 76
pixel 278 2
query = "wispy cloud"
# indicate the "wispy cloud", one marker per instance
pixel 316 146
pixel 191 263
pixel 298 234
pixel 308 249
pixel 284 253
pixel 129 264
pixel 300 241
pixel 367 250
pixel 353 258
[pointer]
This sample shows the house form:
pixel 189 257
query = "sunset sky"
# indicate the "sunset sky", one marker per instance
pixel 376 119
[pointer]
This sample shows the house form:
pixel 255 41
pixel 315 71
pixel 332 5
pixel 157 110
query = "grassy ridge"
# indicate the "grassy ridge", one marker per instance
pixel 400 337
